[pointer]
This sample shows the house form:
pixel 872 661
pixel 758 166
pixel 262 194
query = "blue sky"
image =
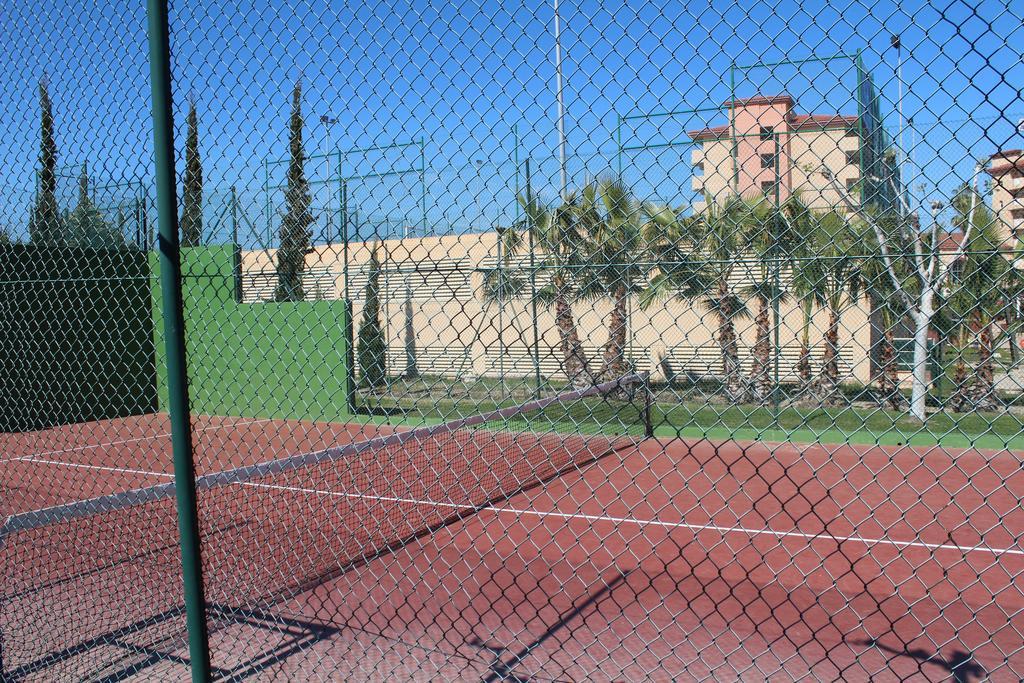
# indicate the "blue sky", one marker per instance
pixel 466 78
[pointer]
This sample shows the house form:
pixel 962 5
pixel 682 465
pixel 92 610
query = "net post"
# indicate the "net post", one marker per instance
pixel 177 380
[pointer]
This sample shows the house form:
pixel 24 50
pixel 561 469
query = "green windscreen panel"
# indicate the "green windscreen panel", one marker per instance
pixel 77 340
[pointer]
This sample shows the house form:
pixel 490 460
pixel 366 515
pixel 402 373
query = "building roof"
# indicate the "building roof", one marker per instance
pixel 798 122
pixel 822 121
pixel 1011 158
pixel 781 98
pixel 712 133
pixel 951 241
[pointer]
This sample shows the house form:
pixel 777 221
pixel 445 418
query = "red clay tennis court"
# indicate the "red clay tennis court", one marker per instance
pixel 453 557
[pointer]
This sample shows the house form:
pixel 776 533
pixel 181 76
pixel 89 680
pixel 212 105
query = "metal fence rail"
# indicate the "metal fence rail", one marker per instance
pixel 551 341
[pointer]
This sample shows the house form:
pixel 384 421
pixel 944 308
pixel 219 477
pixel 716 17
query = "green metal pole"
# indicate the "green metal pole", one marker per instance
pixel 618 140
pixel 533 286
pixel 174 332
pixel 266 196
pixel 423 184
pixel 236 248
pixel 732 129
pixel 862 109
pixel 349 329
pixel 776 287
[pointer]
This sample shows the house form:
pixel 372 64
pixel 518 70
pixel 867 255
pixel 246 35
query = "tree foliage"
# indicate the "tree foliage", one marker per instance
pixel 295 224
pixel 46 225
pixel 556 234
pixel 371 342
pixel 192 194
pixel 976 297
pixel 85 225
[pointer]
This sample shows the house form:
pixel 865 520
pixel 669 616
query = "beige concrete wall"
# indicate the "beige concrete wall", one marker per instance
pixel 458 333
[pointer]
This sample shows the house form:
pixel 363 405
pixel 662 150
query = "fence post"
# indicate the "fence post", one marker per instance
pixel 177 379
pixel 533 281
pixel 236 248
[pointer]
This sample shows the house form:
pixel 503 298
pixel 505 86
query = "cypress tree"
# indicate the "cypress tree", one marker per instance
pixel 192 195
pixel 371 343
pixel 85 225
pixel 295 225
pixel 45 225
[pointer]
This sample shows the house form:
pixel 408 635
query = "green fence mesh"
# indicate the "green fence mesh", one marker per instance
pixel 548 341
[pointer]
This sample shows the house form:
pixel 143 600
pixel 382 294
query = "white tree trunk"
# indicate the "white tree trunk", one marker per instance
pixel 922 321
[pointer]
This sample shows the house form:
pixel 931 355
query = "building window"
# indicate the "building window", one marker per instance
pixel 852 158
pixel 768 187
pixel 767 132
pixel 767 161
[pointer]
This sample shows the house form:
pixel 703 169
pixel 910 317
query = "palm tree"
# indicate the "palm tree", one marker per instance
pixel 772 234
pixel 502 284
pixel 675 274
pixel 806 285
pixel 976 300
pixel 613 224
pixel 880 291
pixel 556 234
pixel 632 248
pixel 832 277
pixel 889 394
pixel 805 293
pixel 718 238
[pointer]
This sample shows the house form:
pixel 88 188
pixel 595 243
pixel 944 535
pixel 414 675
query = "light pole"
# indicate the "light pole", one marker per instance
pixel 329 121
pixel 894 40
pixel 561 103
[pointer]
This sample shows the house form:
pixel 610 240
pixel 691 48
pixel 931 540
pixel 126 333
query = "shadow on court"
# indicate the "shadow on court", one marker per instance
pixel 142 652
pixel 504 663
pixel 960 665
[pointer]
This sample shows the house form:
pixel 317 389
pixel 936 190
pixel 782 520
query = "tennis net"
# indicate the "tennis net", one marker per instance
pixel 272 530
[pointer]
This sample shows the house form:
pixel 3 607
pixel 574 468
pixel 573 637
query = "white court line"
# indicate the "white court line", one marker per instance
pixel 656 523
pixel 600 518
pixel 84 466
pixel 137 439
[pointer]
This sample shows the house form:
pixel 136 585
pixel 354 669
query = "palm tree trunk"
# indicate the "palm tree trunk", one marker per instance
pixel 828 388
pixel 803 363
pixel 760 374
pixel 576 367
pixel 983 394
pixel 615 348
pixel 727 343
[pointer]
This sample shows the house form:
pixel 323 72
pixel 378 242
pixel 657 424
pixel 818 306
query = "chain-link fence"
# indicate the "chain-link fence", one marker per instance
pixel 556 341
